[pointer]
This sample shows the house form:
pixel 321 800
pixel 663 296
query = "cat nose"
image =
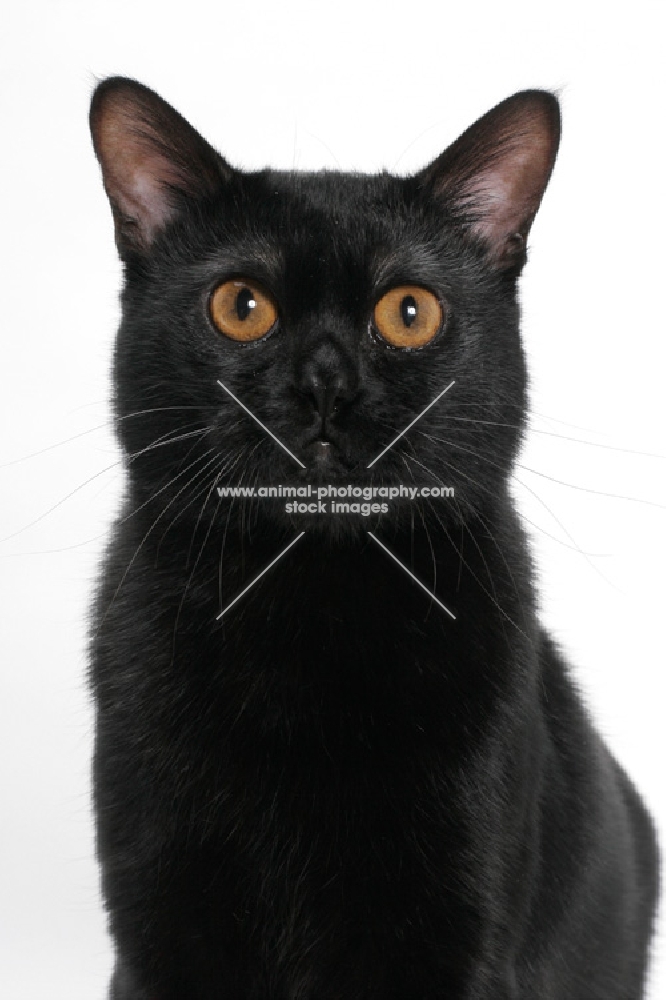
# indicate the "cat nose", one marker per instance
pixel 327 387
pixel 328 377
pixel 325 391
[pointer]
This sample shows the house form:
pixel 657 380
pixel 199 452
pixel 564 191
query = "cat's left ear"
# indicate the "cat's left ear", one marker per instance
pixel 151 160
pixel 494 175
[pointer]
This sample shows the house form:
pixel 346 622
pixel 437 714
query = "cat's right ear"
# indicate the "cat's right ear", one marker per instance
pixel 151 160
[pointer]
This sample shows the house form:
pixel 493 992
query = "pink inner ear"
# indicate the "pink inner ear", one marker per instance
pixel 141 193
pixel 505 195
pixel 150 197
pixel 496 172
pixel 503 207
pixel 148 154
pixel 136 177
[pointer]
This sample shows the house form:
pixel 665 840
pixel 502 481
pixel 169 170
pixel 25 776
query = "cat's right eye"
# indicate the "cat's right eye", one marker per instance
pixel 242 310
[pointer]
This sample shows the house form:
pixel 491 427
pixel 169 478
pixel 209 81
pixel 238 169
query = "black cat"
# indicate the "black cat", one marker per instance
pixel 340 789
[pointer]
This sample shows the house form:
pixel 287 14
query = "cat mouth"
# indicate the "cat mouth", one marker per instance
pixel 325 455
pixel 321 448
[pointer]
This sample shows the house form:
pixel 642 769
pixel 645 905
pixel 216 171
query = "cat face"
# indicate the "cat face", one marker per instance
pixel 333 308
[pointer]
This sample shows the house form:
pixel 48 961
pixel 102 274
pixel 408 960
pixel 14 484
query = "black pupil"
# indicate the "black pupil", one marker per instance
pixel 245 303
pixel 408 310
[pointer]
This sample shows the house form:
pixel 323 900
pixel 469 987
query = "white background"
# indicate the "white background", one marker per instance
pixel 361 86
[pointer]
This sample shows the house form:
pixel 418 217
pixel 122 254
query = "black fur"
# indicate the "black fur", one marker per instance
pixel 336 792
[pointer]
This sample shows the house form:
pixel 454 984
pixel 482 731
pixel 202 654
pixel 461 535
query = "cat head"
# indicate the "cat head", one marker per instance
pixel 332 308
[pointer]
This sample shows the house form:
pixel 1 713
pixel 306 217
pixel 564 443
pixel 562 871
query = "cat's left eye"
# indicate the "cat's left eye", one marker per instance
pixel 242 310
pixel 408 316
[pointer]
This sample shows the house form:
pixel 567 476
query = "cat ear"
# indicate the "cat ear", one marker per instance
pixel 494 175
pixel 150 158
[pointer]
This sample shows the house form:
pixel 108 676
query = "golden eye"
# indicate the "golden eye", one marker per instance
pixel 242 311
pixel 408 316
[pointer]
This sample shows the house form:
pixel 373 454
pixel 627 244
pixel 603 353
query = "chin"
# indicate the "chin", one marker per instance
pixel 337 530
